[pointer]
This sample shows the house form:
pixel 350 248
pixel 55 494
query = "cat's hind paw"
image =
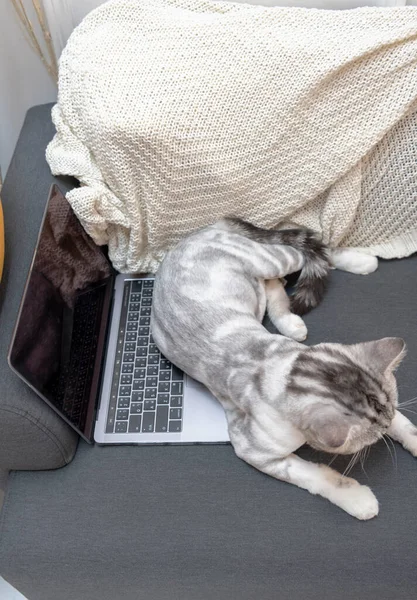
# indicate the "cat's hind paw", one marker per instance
pixel 347 259
pixel 292 326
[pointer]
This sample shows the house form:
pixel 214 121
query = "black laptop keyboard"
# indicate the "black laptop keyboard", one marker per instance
pixel 147 390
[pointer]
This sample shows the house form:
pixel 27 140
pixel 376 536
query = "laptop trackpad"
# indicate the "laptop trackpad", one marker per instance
pixel 195 385
pixel 204 417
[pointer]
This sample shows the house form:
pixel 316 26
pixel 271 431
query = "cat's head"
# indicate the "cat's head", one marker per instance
pixel 344 397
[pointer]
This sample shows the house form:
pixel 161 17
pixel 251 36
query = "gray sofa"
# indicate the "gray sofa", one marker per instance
pixel 192 522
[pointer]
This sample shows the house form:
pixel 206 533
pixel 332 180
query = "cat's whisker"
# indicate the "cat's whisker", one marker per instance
pixel 363 456
pixel 394 449
pixel 355 461
pixel 389 450
pixel 333 459
pixel 351 464
pixel 408 402
pixel 348 465
pixel 408 410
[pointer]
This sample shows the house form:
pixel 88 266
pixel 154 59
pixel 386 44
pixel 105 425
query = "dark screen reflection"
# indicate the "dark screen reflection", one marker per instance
pixel 56 338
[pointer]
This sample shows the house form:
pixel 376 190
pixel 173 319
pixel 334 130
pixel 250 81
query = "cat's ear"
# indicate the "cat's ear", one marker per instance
pixel 383 355
pixel 329 427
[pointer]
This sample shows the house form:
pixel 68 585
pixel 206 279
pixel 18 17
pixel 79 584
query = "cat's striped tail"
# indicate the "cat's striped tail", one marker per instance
pixel 311 284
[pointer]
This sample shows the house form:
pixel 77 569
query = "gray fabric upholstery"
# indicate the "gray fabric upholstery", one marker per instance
pixel 196 523
pixel 32 436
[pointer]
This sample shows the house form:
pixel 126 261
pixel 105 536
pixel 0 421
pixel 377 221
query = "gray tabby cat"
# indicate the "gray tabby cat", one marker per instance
pixel 210 296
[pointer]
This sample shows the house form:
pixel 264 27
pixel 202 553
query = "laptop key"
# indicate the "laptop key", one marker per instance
pixel 177 388
pixel 132 326
pixel 121 427
pixel 163 398
pixel 122 414
pixel 161 423
pixel 147 302
pixel 127 368
pixel 147 293
pixel 163 387
pixel 135 423
pixel 110 425
pixel 149 405
pixel 125 390
pixel 174 426
pixel 153 359
pixel 150 393
pixel 141 351
pixel 136 408
pixel 137 396
pixel 165 363
pixel 126 379
pixel 152 370
pixel 176 401
pixel 138 384
pixel 135 298
pixel 148 283
pixel 131 336
pixel 130 347
pixel 175 413
pixel 151 381
pixel 145 311
pixel 140 362
pixel 164 375
pixel 142 341
pixel 133 316
pixel 134 307
pixel 177 374
pixel 145 321
pixel 153 349
pixel 110 419
pixel 136 286
pixel 140 373
pixel 148 422
pixel 128 357
pixel 143 330
pixel 123 402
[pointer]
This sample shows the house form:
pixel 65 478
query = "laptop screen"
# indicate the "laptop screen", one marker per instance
pixel 60 332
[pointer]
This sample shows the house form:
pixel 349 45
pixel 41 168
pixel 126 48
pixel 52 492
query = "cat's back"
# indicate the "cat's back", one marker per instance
pixel 203 297
pixel 202 284
pixel 205 249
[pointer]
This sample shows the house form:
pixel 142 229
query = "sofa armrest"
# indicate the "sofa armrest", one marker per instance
pixel 32 435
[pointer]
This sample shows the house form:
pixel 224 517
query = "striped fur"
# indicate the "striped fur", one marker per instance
pixel 211 293
pixel 311 284
pixel 332 374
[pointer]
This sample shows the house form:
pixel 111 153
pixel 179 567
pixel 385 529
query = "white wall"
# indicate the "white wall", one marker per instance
pixel 24 81
pixel 64 15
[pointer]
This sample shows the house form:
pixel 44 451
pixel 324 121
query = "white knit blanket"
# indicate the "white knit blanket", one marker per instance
pixel 174 113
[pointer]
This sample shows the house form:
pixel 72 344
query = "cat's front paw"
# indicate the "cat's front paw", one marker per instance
pixel 358 500
pixel 411 445
pixel 293 326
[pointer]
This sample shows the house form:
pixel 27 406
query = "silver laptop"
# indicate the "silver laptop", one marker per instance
pixel 82 342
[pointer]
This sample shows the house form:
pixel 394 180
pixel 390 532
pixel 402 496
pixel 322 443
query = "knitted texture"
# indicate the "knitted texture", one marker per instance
pixel 174 113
